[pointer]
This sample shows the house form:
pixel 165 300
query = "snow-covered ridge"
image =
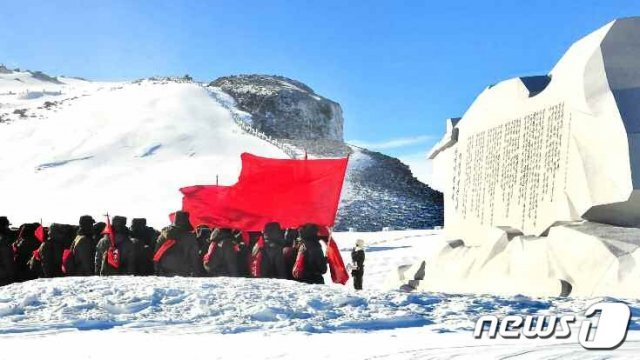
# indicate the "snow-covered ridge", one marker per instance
pixel 127 147
pixel 120 147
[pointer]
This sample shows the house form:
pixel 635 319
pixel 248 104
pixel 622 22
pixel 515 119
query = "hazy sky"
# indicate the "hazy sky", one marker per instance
pixel 398 68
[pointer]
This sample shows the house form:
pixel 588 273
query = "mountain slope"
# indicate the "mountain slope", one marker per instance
pixel 80 147
pixel 380 191
pixel 124 148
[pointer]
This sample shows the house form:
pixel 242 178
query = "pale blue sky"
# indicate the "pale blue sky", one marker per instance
pixel 399 68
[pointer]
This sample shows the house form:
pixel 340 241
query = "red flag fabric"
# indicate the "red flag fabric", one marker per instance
pixel 39 233
pixel 108 230
pixel 207 205
pixel 291 192
pixel 339 274
pixel 210 252
pixel 255 260
pixel 298 267
pixel 113 255
pixel 66 254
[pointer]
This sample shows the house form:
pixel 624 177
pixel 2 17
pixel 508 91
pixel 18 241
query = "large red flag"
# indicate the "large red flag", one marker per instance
pixel 291 192
pixel 207 205
pixel 339 274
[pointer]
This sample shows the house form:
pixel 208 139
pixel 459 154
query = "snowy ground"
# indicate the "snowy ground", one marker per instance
pixel 248 318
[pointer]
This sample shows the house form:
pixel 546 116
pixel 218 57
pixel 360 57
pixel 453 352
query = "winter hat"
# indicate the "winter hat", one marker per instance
pixel 181 221
pixel 56 232
pixel 309 232
pixel 273 231
pixel 98 227
pixel 119 224
pixel 360 243
pixel 86 222
pixel 138 227
pixel 28 230
pixel 140 223
pixel 203 232
pixel 4 222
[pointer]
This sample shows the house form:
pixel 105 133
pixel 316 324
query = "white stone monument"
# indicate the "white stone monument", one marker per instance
pixel 534 151
pixel 541 178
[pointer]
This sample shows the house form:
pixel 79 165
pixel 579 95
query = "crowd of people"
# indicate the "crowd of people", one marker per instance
pixel 98 248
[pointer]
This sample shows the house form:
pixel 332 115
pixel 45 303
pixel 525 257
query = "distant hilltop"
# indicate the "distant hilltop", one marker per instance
pixel 198 130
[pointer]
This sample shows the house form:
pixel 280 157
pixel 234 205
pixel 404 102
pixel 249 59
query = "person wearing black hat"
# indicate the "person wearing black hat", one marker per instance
pixel 11 234
pixel 314 263
pixel 203 237
pixel 124 247
pixel 7 262
pixel 273 265
pixel 51 250
pixel 83 249
pixel 176 252
pixel 143 245
pixel 221 258
pixel 26 244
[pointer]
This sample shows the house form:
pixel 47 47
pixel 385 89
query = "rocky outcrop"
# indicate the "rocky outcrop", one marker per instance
pixel 284 108
pixel 39 75
pixel 380 191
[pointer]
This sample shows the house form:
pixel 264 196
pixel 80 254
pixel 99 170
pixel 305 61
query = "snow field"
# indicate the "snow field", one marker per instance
pixel 266 318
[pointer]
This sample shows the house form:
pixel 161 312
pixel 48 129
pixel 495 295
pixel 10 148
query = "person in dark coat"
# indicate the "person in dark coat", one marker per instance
pixel 223 261
pixel 143 245
pixel 24 247
pixel 7 262
pixel 5 228
pixel 357 265
pixel 51 251
pixel 315 263
pixel 242 240
pixel 181 259
pixel 83 248
pixel 125 249
pixel 98 228
pixel 69 234
pixel 203 237
pixel 273 265
pixel 290 250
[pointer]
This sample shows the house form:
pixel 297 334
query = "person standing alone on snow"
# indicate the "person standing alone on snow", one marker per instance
pixel 357 267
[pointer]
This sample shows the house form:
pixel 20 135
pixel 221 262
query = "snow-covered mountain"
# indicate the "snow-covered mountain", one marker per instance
pixel 73 146
pixel 380 191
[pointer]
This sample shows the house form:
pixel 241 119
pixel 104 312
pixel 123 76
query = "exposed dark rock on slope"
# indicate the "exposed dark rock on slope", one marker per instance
pixel 284 108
